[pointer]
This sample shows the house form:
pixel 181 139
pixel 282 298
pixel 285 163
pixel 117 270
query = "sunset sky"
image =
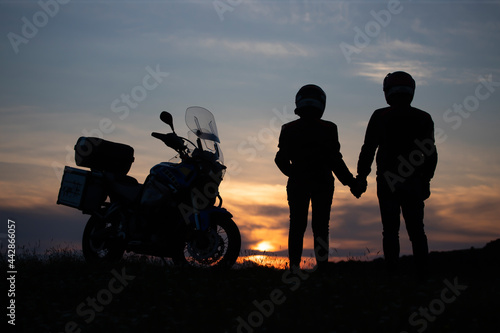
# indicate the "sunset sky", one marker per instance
pixel 108 68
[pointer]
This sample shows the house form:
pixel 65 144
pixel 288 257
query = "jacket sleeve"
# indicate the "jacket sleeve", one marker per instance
pixel 428 147
pixel 338 165
pixel 282 158
pixel 370 145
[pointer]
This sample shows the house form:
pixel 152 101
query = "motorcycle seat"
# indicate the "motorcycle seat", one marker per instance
pixel 126 180
pixel 125 187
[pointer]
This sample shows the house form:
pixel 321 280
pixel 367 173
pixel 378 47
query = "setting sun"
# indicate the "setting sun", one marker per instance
pixel 264 246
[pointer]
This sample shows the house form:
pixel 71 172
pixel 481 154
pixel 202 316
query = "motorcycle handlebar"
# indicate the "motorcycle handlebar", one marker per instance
pixel 171 140
pixel 158 135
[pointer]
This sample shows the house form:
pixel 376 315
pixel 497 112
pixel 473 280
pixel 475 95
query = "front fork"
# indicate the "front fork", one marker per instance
pixel 113 213
pixel 196 210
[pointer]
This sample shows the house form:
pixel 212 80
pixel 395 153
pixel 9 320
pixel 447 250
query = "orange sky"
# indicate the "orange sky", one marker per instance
pixel 457 216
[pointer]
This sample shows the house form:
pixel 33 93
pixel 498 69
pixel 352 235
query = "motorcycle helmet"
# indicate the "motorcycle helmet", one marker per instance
pixel 399 88
pixel 310 101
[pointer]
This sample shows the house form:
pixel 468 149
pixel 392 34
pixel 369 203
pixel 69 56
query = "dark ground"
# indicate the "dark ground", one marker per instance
pixel 62 294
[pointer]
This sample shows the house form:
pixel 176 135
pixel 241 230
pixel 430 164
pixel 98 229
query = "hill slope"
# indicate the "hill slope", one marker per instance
pixel 62 294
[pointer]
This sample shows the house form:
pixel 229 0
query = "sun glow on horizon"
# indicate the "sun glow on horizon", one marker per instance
pixel 264 246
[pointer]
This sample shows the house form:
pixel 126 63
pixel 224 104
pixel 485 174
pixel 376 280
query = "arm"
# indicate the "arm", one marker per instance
pixel 338 165
pixel 282 158
pixel 369 147
pixel 428 147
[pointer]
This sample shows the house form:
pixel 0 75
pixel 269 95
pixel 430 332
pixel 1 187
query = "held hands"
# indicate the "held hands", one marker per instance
pixel 358 186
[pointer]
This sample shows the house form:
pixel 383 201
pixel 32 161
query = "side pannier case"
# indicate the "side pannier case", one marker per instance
pixel 102 155
pixel 82 189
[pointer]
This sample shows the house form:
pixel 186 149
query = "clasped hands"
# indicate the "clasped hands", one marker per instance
pixel 358 186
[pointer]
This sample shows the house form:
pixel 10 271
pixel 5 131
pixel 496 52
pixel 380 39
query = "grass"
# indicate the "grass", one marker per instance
pixel 57 292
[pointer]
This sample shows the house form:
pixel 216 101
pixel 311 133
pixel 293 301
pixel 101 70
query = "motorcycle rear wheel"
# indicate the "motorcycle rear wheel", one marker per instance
pixel 217 247
pixel 99 242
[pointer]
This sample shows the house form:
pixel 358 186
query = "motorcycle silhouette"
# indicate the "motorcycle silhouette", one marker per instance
pixel 173 214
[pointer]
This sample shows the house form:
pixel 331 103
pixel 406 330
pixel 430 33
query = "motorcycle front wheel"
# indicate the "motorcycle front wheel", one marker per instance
pixel 217 247
pixel 99 242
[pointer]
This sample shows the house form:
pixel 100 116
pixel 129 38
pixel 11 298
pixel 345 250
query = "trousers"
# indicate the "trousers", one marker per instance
pixel 320 195
pixel 407 198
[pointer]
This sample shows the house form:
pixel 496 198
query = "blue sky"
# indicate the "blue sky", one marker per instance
pixel 109 68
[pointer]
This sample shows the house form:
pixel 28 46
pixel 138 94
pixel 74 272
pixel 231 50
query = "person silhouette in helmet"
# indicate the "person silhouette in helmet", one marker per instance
pixel 406 161
pixel 309 150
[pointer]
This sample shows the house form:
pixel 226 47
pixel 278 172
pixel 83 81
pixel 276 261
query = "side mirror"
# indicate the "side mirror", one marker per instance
pixel 167 118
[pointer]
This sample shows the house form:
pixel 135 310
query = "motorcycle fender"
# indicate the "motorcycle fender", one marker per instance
pixel 212 214
pixel 219 211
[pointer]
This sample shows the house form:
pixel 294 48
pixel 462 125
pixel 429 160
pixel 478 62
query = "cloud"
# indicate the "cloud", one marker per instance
pixel 267 49
pixel 376 71
pixel 397 47
pixel 397 55
pixel 469 208
pixel 269 210
pixel 294 14
pixel 28 186
pixel 455 218
pixel 236 47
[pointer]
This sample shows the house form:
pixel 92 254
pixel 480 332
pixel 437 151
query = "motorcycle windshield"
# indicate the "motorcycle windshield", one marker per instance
pixel 201 122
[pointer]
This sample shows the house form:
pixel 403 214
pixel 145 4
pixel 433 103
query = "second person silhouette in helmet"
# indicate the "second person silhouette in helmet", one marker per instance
pixel 403 138
pixel 309 150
